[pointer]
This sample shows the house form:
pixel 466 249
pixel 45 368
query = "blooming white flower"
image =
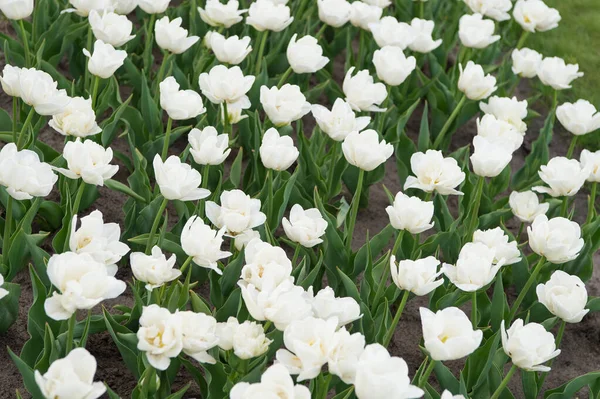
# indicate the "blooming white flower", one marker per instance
pixel 84 7
pixel 554 72
pixel 179 104
pixel 160 335
pixel 417 276
pixel 208 147
pixel 277 152
pixel 10 80
pixel 564 296
pixel 105 60
pixel 284 105
pixel 228 50
pixel 433 172
pixel 558 239
pixel 526 206
pixel 199 334
pixel 89 161
pixel 535 15
pixel 365 151
pixel 334 12
pixel 225 84
pixel 499 134
pixel 177 180
pixel 78 119
pixel 39 90
pixel 526 62
pixel 506 109
pixel 16 9
pixel 388 31
pixel 275 382
pixel 155 269
pixel 591 161
pixel 340 121
pixel 495 9
pixel 154 6
pixel 266 15
pixel 326 305
pixel 203 243
pixel 99 239
pixel 110 27
pixel 362 93
pixel 249 340
pixel 379 3
pixel 23 174
pixel 266 267
pixel 305 55
pixel 475 268
pixel 379 375
pixel 125 7
pixel 448 334
pixel 71 377
pixel 216 13
pixel 392 66
pixel 423 41
pixel 238 212
pixel 170 36
pixel 496 239
pixel 226 331
pixel 410 213
pixel 476 32
pixel 82 281
pixel 346 349
pixel 579 118
pixel 242 239
pixel 305 227
pixel 528 345
pixel 564 176
pixel 362 15
pixel 475 83
pixel 3 292
pixel 490 155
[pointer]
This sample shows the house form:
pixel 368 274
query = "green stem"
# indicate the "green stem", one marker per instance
pixel 390 332
pixel 25 43
pixel 334 157
pixel 186 264
pixel 522 39
pixel 15 104
pixel 475 207
pixel 148 47
pixel 205 175
pixel 96 84
pixel 78 197
pixel 564 208
pixel 381 115
pixel 386 270
pixel 261 50
pixel 70 332
pixel 7 228
pixel 157 218
pixel 296 254
pixel 161 72
pixel 354 209
pixel 504 382
pixel 572 146
pixel 440 138
pixel 591 203
pixel 225 118
pixel 284 77
pixel 426 374
pixel 269 193
pixel 165 149
pixel 474 309
pixel 25 128
pixel 521 227
pixel 321 31
pixel 559 336
pixel 88 46
pixel 421 9
pixel 525 290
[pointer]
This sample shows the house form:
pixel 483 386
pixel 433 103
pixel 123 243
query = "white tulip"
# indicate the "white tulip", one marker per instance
pixel 208 147
pixel 528 345
pixel 564 176
pixel 110 27
pixel 434 173
pixel 242 239
pixel 275 382
pixel 490 156
pixel 591 161
pixel 71 377
pixel 305 227
pixel 105 60
pixel 392 66
pixel 238 212
pixel 448 334
pixel 154 6
pixel 564 296
pixel 526 62
pixel 264 15
pixel 160 335
pixel 170 36
pixel 225 84
pixel 340 121
pixel 475 268
pixel 448 395
pixel 579 118
pixel 499 133
pixel 379 3
pixel 365 151
pixel 267 266
pixel 125 7
pixel 389 32
pixel 554 72
pixel 362 15
pixel 326 305
pixel 39 90
pixel 410 213
pixel 334 12
pixel 284 105
pixel 362 93
pixel 308 343
pixel 506 109
pixel 228 50
pixel 155 270
pixel 423 41
pixel 84 7
pixel 535 15
pixel 417 276
pixel 474 83
pixel 217 14
pixel 305 55
pixel 476 32
pixel 277 152
pixel 179 104
pixel 526 206
pixel 234 110
pixel 495 9
pixel 226 331
pixel 496 239
pixel 82 282
pixel 23 174
pixel 203 243
pixel 199 334
pixel 3 292
pixel 10 80
pixel 16 9
pixel 249 340
pixel 558 239
pixel 89 161
pixel 346 349
pixel 99 239
pixel 78 119
pixel 177 180
pixel 379 375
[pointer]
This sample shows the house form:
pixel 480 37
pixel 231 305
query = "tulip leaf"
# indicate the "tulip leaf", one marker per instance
pixel 9 306
pixel 28 375
pixel 119 334
pixel 569 389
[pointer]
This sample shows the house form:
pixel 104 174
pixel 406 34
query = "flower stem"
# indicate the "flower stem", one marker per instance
pixel 205 175
pixel 421 9
pixel 25 128
pixel 296 254
pixel 381 115
pixel 25 43
pixel 161 73
pixel 386 270
pixel 162 208
pixel 474 309
pixel 15 104
pixel 354 209
pixel 70 331
pixel 148 47
pixel 564 208
pixel 440 138
pixel 521 227
pixel 284 77
pixel 390 332
pixel 7 228
pixel 426 374
pixel 334 157
pixel 522 39
pixel 321 31
pixel 261 50
pixel 165 149
pixel 504 382
pixel 186 264
pixel 559 336
pixel 525 289
pixel 591 203
pixel 475 207
pixel 88 46
pixel 78 197
pixel 269 194
pixel 96 80
pixel 572 147
pixel 225 119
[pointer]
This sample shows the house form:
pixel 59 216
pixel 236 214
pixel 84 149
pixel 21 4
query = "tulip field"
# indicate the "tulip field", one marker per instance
pixel 274 199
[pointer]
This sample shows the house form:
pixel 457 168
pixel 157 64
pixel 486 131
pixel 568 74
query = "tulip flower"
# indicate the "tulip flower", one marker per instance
pixel 277 152
pixel 378 3
pixel 499 134
pixel 203 244
pixel 160 336
pixel 362 93
pixel 578 118
pixel 16 9
pixel 490 156
pixel 410 213
pixel 334 12
pixel 365 151
pixel 506 109
pixel 39 90
pixel 264 15
pixel 110 27
pixel 392 66
pixel 228 50
pixel 305 55
pixel 23 174
pixel 591 161
pixel 340 121
pixel 558 239
pixel 248 340
pixel 476 32
pixel 535 15
pixel 495 239
pixel 554 72
pixel 305 227
pixel 422 31
pixel 326 305
pixel 170 36
pixel 177 180
pixel 266 267
pixel 474 83
pixel 495 9
pixel 208 147
pixel 526 206
pixel 179 104
pixel 284 105
pixel 528 345
pixel 433 172
pixel 105 60
pixel 417 276
pixel 89 161
pixel 344 354
pixel 389 32
pixel 78 119
pixel 275 381
pixel 3 292
pixel 362 15
pixel 222 84
pixel 199 334
pixel 244 238
pixel 155 270
pixel 448 395
pixel 218 14
pixel 124 7
pixel 238 212
pixel 565 177
pixel 564 296
pixel 526 62
pixel 475 268
pixel 10 80
pixel 154 6
pixel 84 7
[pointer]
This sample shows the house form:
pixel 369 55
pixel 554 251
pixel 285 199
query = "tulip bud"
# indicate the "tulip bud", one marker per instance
pixel 228 50
pixel 111 28
pixel 526 62
pixel 277 152
pixel 340 121
pixel 495 9
pixel 476 32
pixel 423 41
pixel 389 32
pixel 218 14
pixel 203 243
pixel 208 147
pixel 16 9
pixel 509 110
pixel 334 12
pixel 417 276
pixel 578 118
pixel 529 346
pixel 305 55
pixel 305 227
pixel 225 84
pixel 554 72
pixel 433 172
pixel 363 14
pixel 365 151
pixel 535 15
pixel 177 180
pixel 266 15
pixel 285 105
pixel 475 83
pixel 564 296
pixel 155 270
pixel 238 212
pixel 23 174
pixel 558 239
pixel 475 268
pixel 361 93
pixel 170 36
pixel 392 66
pixel 564 176
pixel 78 119
pixel 89 161
pixel 105 60
pixel 410 213
pixel 179 104
pixel 526 206
pixel 160 336
pixel 497 240
pixel 154 6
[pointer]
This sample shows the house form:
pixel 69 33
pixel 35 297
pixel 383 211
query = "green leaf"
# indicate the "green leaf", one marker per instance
pixel 150 110
pixel 499 304
pixel 569 389
pixel 28 375
pixel 424 141
pixel 9 306
pixel 118 186
pixel 118 332
pixel 109 127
